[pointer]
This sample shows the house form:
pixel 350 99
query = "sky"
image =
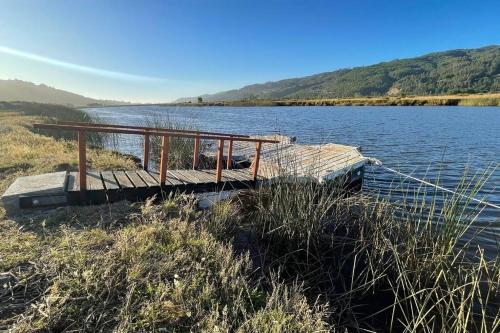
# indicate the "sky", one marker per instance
pixel 157 51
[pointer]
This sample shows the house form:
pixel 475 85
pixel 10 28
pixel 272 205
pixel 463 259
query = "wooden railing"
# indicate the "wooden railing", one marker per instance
pixel 165 134
pixel 147 140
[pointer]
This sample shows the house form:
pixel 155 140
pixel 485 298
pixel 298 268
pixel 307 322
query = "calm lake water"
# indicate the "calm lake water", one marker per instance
pixel 427 142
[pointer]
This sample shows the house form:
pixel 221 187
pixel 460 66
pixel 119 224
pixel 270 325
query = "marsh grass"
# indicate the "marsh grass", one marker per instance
pixel 318 261
pixel 481 99
pixel 382 265
pixel 223 219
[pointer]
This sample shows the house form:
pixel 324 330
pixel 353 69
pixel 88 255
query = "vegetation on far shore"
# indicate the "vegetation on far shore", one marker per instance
pixel 487 99
pixel 295 257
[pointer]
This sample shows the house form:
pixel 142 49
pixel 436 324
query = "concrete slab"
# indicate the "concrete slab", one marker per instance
pixel 36 191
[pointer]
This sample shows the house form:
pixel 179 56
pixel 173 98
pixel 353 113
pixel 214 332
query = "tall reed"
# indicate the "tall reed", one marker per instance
pixel 382 265
pixel 180 155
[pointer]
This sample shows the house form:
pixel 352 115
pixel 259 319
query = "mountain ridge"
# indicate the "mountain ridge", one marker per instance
pixel 438 73
pixel 14 90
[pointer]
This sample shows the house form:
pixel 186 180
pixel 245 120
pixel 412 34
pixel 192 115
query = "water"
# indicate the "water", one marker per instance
pixel 423 141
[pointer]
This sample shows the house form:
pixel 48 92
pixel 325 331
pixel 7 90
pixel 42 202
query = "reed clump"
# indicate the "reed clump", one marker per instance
pixel 180 154
pixel 382 266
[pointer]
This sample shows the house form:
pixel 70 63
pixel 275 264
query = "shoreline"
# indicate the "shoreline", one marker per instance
pixel 489 99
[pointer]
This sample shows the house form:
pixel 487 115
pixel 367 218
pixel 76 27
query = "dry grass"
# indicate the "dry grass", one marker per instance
pixel 124 267
pixel 153 272
pixel 23 152
pixel 462 99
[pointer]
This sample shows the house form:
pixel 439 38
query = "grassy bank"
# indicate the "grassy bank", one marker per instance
pixel 444 100
pixel 26 151
pixel 292 258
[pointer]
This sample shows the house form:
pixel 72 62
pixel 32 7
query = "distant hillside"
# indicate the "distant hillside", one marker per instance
pixel 442 73
pixel 22 91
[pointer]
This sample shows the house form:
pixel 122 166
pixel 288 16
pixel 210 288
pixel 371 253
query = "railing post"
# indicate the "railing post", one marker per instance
pixel 230 155
pixel 146 152
pixel 196 153
pixel 220 154
pixel 164 159
pixel 82 160
pixel 256 160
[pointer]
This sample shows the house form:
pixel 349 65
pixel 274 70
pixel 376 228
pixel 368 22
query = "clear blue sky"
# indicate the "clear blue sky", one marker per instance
pixel 159 50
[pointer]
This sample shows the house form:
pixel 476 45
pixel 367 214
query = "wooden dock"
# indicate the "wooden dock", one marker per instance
pixel 241 162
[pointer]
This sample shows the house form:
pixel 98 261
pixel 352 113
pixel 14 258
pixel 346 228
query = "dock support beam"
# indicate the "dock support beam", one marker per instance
pixel 257 160
pixel 196 153
pixel 164 159
pixel 220 154
pixel 230 155
pixel 82 160
pixel 146 152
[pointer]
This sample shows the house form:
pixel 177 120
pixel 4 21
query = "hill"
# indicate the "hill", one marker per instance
pixel 22 91
pixel 441 73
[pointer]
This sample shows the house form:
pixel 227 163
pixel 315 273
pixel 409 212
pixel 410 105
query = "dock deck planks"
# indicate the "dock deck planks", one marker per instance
pixel 147 178
pixel 110 183
pixel 135 179
pixel 123 180
pixel 322 162
pixel 94 182
pixel 107 186
pixel 262 158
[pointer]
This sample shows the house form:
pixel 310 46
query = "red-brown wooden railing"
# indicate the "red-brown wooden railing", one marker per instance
pixel 145 164
pixel 165 134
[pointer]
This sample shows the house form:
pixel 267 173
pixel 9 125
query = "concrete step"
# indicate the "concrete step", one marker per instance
pixel 44 190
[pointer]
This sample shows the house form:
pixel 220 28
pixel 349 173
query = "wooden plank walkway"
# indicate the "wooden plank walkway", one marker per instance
pixel 110 186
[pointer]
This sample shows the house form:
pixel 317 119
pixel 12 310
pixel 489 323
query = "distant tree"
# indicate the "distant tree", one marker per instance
pixel 200 100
